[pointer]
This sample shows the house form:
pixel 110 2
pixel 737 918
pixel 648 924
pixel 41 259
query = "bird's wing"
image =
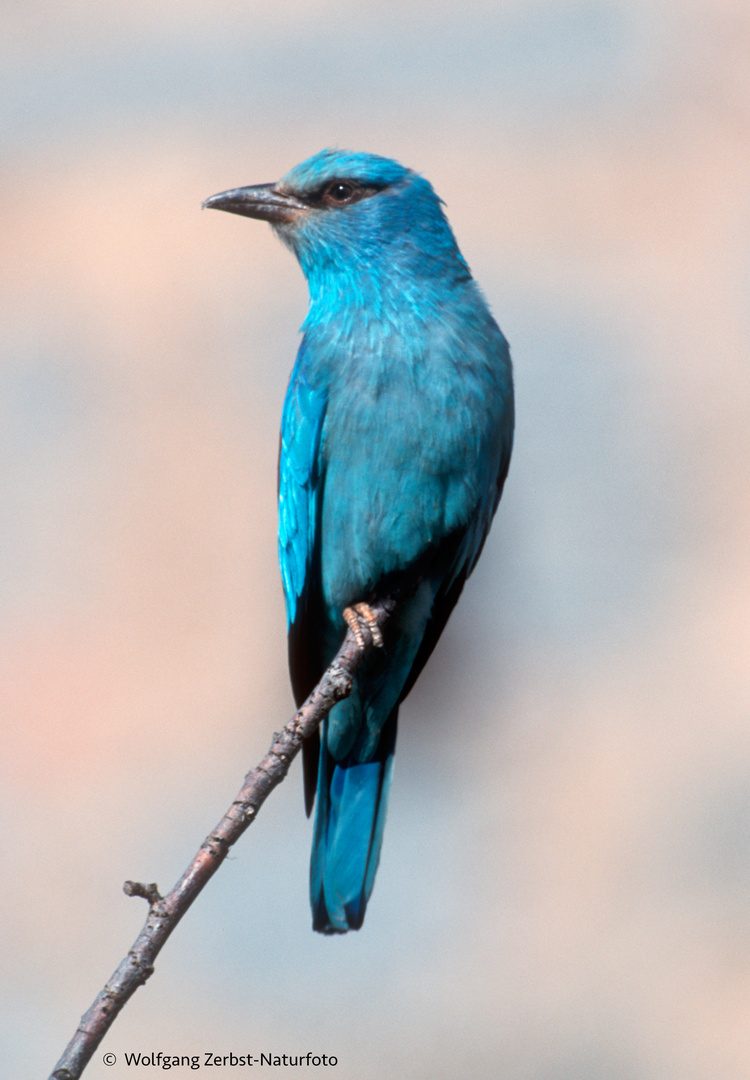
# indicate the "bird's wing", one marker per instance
pixel 300 484
pixel 458 553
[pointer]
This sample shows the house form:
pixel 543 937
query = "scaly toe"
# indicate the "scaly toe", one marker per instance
pixel 365 612
pixel 357 617
pixel 353 622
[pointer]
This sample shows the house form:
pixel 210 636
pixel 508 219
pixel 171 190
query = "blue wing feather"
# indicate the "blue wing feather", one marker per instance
pixel 299 488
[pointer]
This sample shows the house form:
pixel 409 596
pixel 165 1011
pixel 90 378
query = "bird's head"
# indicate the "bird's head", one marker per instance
pixel 344 212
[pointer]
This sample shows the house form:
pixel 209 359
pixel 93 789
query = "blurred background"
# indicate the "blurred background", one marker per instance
pixel 563 893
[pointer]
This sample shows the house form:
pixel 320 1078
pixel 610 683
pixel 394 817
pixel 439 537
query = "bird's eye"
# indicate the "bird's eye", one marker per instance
pixel 339 193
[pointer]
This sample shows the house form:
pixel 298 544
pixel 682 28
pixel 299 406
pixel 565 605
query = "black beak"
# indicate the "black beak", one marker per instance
pixel 263 201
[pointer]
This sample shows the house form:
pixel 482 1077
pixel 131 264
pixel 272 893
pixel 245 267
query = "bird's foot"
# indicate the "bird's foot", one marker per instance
pixel 359 615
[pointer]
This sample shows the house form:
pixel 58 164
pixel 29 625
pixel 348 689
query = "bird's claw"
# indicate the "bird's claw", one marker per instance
pixel 359 615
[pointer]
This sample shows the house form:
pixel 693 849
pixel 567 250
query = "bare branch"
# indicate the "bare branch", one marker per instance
pixel 165 912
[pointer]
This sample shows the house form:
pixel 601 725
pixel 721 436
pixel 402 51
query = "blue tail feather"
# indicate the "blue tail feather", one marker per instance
pixel 348 833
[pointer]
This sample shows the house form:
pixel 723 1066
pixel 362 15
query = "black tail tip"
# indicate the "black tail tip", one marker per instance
pixel 323 924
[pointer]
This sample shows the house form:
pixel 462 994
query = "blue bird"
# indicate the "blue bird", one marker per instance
pixel 395 443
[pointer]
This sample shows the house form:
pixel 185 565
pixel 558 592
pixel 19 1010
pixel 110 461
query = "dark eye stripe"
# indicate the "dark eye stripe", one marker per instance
pixel 341 192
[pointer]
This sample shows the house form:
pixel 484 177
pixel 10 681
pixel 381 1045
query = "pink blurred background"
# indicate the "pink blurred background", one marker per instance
pixel 563 893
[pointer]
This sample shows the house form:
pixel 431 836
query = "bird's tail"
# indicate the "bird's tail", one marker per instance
pixel 348 833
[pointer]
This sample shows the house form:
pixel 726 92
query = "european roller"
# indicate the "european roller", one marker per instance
pixel 396 437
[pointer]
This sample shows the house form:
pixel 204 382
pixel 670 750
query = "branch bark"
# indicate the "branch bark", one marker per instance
pixel 166 911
